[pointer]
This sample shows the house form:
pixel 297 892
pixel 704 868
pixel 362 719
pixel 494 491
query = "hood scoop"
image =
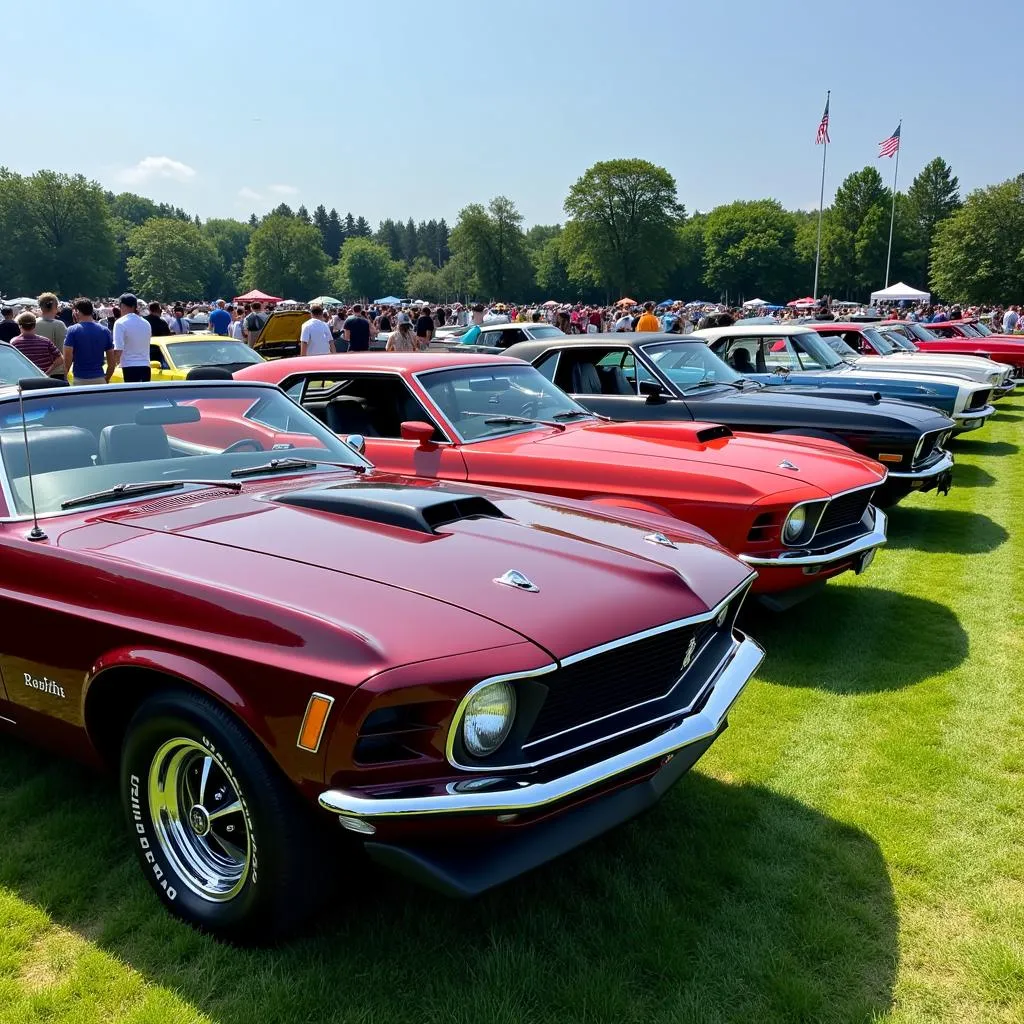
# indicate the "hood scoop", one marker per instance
pixel 409 508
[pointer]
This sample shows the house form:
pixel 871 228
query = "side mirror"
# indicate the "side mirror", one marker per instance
pixel 654 391
pixel 417 430
pixel 155 365
pixel 357 443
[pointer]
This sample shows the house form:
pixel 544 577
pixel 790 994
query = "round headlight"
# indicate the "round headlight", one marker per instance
pixel 795 523
pixel 488 718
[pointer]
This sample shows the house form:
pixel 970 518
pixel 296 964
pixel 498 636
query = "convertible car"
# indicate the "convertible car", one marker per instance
pixel 963 337
pixel 799 511
pixel 876 352
pixel 175 357
pixel 207 590
pixel 668 377
pixel 798 355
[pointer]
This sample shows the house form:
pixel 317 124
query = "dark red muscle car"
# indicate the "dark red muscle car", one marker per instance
pixel 799 511
pixel 266 637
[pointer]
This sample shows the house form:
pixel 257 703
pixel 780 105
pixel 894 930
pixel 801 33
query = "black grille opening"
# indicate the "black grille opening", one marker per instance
pixel 979 400
pixel 843 511
pixel 400 733
pixel 762 528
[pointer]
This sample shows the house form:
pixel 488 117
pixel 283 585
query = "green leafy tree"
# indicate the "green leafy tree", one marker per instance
pixel 424 281
pixel 171 259
pixel 686 279
pixel 749 249
pixel 389 234
pixel 366 270
pixel 231 239
pixel 492 241
pixel 303 214
pixel 551 271
pixel 282 210
pixel 978 253
pixel 459 277
pixel 285 257
pixel 132 208
pixel 622 228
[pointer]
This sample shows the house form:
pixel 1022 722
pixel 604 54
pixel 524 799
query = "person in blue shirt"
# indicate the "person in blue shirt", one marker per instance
pixel 220 319
pixel 86 345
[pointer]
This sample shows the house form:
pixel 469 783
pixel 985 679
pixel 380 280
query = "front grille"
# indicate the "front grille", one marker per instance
pixel 979 400
pixel 931 442
pixel 618 679
pixel 844 511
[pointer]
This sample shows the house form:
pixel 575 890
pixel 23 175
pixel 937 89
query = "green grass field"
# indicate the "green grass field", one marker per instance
pixel 852 849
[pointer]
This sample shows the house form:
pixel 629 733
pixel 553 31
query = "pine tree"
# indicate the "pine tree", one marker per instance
pixel 334 235
pixel 361 229
pixel 303 214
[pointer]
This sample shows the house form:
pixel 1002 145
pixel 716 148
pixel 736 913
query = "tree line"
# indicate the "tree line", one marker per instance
pixel 626 233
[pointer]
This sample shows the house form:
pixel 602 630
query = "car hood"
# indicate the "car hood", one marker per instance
pixel 756 460
pixel 921 363
pixel 922 377
pixel 597 579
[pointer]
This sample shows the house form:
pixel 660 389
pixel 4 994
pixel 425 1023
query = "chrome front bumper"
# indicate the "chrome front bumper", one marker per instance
pixel 972 420
pixel 935 469
pixel 801 558
pixel 518 793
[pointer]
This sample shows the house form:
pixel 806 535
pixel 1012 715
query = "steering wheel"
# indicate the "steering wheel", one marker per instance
pixel 245 444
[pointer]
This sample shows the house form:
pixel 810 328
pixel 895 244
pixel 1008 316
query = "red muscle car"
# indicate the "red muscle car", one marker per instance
pixel 968 337
pixel 225 603
pixel 800 512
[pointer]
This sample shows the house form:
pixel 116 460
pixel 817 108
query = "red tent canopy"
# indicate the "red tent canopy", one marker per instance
pixel 256 296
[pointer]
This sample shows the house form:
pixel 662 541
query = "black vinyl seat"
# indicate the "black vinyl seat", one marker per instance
pixel 349 415
pixel 740 360
pixel 51 449
pixel 614 381
pixel 585 379
pixel 133 442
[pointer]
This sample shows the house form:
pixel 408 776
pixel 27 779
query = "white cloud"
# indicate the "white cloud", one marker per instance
pixel 152 167
pixel 283 190
pixel 249 193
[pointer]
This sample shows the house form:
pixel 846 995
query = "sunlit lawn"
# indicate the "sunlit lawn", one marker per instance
pixel 852 849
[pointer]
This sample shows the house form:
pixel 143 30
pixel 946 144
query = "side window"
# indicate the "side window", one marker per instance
pixel 806 360
pixel 547 366
pixel 742 355
pixel 156 356
pixel 512 336
pixel 856 342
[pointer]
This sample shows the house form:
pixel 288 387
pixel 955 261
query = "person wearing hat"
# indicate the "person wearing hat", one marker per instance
pixel 402 339
pixel 132 337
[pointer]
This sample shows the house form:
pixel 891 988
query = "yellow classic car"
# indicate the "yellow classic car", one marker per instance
pixel 171 358
pixel 279 338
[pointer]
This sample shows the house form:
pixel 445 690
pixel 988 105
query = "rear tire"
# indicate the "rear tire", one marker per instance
pixel 221 835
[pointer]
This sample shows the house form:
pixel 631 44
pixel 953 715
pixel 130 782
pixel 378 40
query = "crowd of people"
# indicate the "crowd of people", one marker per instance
pixel 91 340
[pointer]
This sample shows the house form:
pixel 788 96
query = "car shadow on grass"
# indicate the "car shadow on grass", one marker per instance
pixel 1002 415
pixel 724 902
pixel 944 530
pixel 966 474
pixel 978 447
pixel 854 639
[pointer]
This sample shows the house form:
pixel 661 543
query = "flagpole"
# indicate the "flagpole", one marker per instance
pixel 892 219
pixel 821 205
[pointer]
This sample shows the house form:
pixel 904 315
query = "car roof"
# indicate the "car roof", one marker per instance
pixel 384 362
pixel 9 392
pixel 719 332
pixel 611 337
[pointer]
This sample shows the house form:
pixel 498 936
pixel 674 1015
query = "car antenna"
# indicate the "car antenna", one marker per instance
pixel 33 384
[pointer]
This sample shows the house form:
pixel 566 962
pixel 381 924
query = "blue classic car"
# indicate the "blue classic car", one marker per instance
pixel 798 355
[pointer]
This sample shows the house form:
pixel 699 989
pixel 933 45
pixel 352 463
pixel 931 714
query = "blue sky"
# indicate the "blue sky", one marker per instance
pixel 396 108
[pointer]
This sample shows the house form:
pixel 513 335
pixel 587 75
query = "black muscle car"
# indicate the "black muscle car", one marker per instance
pixel 671 376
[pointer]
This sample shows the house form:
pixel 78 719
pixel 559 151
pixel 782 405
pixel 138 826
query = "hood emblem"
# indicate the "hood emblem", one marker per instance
pixel 688 657
pixel 659 538
pixel 517 581
pixel 786 464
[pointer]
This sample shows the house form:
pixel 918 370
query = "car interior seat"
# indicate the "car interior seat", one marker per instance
pixel 208 373
pixel 740 360
pixel 51 449
pixel 348 414
pixel 133 442
pixel 585 379
pixel 614 381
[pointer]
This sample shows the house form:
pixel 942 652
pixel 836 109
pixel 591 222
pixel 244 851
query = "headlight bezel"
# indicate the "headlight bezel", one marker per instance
pixel 797 515
pixel 483 701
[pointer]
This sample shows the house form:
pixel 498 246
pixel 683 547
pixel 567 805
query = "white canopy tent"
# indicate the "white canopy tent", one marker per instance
pixel 750 303
pixel 900 292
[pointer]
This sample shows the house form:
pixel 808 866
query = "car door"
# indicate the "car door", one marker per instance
pixel 158 355
pixel 375 405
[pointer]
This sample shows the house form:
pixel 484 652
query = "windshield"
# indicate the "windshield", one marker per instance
pixel 838 348
pixel 970 330
pixel 84 440
pixel 882 345
pixel 545 331
pixel 688 363
pixel 982 329
pixel 14 366
pixel 187 354
pixel 922 333
pixel 476 399
pixel 895 337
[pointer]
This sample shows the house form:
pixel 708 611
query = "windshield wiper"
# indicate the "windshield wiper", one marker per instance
pixel 571 414
pixel 144 487
pixel 704 384
pixel 516 419
pixel 282 465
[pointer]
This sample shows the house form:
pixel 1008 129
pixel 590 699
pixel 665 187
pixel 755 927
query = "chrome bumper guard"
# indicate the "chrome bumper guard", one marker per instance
pixel 800 558
pixel 514 794
pixel 946 462
pixel 973 419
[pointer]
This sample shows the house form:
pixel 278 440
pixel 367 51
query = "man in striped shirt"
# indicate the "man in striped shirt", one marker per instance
pixel 40 350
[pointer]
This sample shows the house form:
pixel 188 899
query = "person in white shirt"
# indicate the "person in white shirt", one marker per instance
pixel 177 323
pixel 132 336
pixel 237 326
pixel 315 338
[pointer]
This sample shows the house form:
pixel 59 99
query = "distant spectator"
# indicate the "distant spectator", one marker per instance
pixel 66 315
pixel 315 337
pixel 478 314
pixel 220 319
pixel 648 321
pixel 48 326
pixel 254 323
pixel 39 349
pixel 356 331
pixel 178 324
pixel 8 325
pixel 237 324
pixel 132 336
pixel 424 328
pixel 1011 318
pixel 87 346
pixel 157 324
pixel 402 338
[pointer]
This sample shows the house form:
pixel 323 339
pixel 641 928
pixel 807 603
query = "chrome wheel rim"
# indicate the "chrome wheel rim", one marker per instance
pixel 199 820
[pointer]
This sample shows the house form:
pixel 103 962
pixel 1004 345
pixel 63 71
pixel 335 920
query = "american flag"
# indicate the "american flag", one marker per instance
pixel 822 136
pixel 891 144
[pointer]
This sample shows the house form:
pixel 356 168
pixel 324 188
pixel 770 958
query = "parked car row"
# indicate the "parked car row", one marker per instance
pixel 465 611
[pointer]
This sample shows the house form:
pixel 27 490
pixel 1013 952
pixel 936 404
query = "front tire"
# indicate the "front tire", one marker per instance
pixel 221 836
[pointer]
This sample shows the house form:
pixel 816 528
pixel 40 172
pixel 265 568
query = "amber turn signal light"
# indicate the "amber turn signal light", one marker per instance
pixel 314 722
pixel 890 458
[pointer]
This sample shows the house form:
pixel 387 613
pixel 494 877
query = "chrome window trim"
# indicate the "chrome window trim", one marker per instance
pixel 572 659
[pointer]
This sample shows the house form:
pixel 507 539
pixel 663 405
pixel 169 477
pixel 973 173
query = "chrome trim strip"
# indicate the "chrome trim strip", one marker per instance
pixel 946 462
pixel 975 414
pixel 801 558
pixel 10 721
pixel 520 794
pixel 694 620
pixel 323 728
